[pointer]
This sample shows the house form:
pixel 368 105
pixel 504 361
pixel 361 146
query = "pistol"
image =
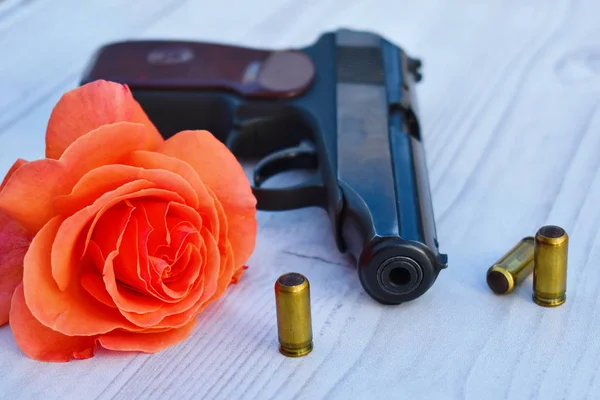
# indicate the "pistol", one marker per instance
pixel 343 107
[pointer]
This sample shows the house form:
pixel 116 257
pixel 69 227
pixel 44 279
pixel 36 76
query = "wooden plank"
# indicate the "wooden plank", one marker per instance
pixel 510 110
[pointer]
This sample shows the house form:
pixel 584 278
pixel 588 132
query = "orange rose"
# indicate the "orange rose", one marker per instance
pixel 133 236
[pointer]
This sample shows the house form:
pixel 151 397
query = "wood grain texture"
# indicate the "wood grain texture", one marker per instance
pixel 510 108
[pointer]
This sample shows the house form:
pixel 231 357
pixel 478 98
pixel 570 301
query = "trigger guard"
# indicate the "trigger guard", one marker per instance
pixel 303 156
pixel 308 194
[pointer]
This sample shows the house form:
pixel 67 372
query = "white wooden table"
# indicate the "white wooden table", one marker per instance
pixel 510 112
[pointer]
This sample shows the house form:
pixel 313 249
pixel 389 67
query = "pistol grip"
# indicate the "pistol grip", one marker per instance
pixel 184 65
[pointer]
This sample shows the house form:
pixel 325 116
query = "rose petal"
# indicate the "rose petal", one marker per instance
pixel 220 171
pixel 105 145
pixel 183 274
pixel 132 266
pixel 11 171
pixel 73 311
pixel 165 220
pixel 110 230
pixel 14 242
pixel 88 107
pixel 237 275
pixel 206 206
pixel 110 177
pixel 94 254
pixel 157 215
pixel 181 212
pixel 91 279
pixel 30 193
pixel 64 259
pixel 150 342
pixel 227 271
pixel 223 238
pixel 116 280
pixel 42 343
pixel 126 300
pixel 178 314
pixel 185 305
pixel 182 234
pixel 172 251
pixel 106 230
pixel 65 256
pixel 94 285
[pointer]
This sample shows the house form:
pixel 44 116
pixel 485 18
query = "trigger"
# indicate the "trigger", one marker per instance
pixel 304 156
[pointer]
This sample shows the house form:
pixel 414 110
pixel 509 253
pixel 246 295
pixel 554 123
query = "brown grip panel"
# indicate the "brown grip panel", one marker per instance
pixel 194 65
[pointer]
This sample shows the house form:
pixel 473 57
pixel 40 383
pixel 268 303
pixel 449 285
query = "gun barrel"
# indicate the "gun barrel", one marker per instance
pixel 387 222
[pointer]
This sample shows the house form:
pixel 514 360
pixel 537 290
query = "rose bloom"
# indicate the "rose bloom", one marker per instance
pixel 121 237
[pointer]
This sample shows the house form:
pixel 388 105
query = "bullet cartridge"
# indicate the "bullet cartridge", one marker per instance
pixel 294 323
pixel 512 268
pixel 550 266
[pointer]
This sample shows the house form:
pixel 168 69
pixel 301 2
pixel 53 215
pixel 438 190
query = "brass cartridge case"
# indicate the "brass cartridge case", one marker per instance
pixel 512 268
pixel 550 266
pixel 294 323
